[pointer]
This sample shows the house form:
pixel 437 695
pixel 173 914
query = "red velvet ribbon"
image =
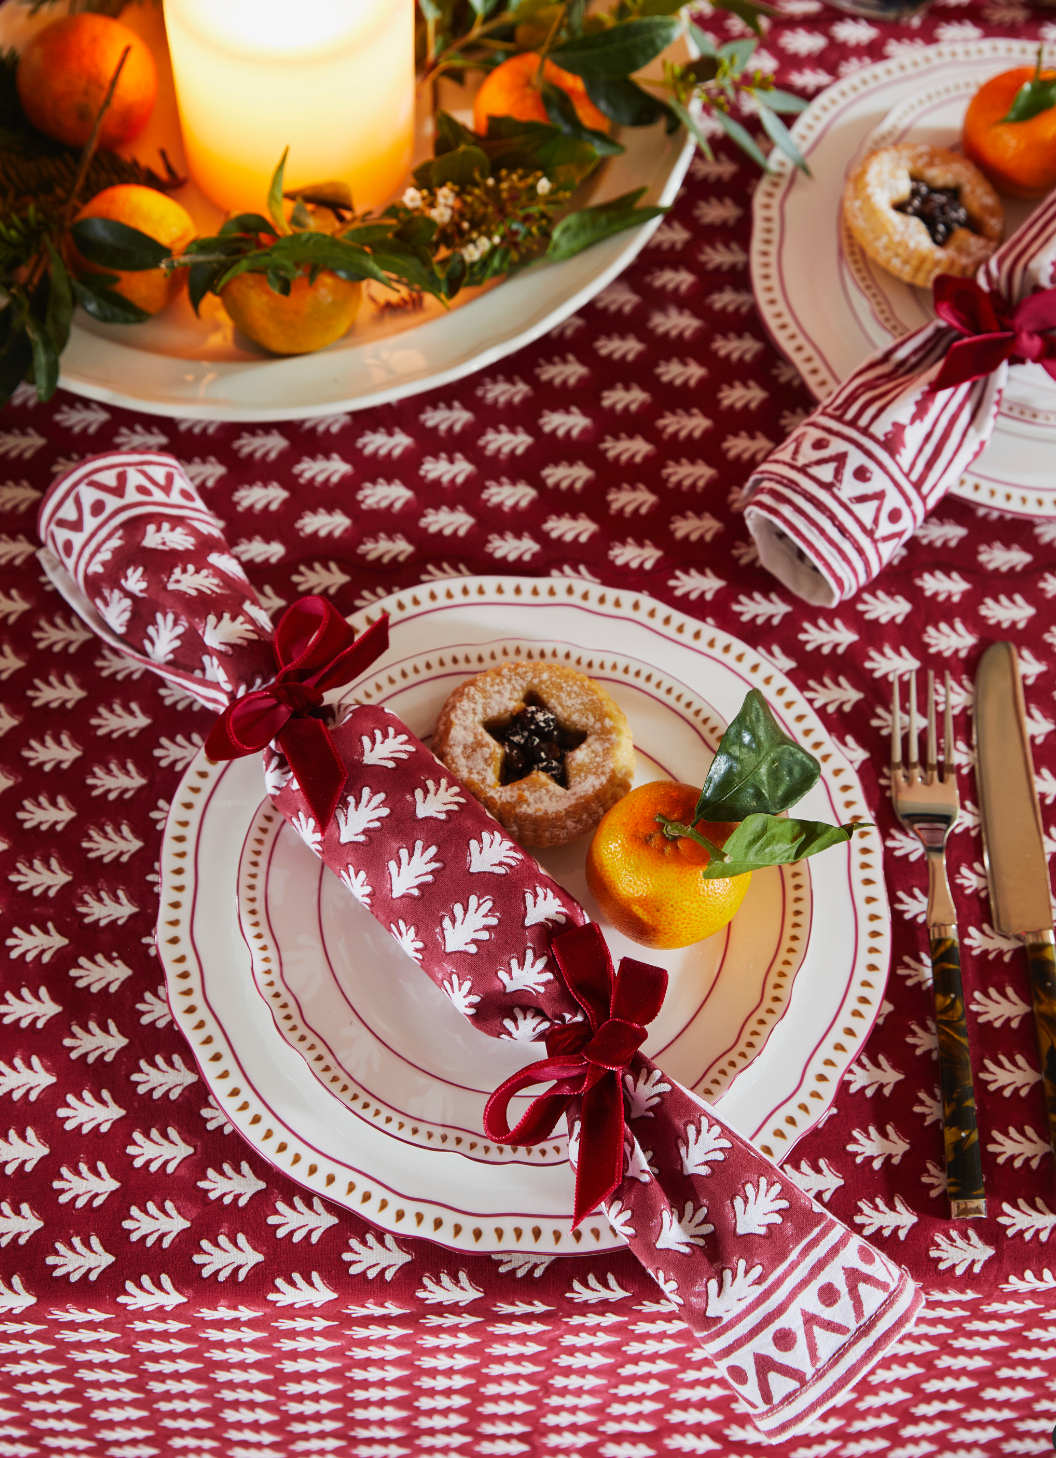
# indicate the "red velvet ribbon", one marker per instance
pixel 991 333
pixel 587 1059
pixel 316 650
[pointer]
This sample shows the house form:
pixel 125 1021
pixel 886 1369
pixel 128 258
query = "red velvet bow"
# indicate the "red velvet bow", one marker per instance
pixel 588 1059
pixel 316 650
pixel 991 334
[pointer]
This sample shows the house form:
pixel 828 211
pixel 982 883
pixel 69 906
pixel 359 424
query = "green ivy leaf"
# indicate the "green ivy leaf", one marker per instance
pixel 562 112
pixel 588 226
pixel 768 840
pixel 757 767
pixel 618 51
pixel 463 167
pixel 111 244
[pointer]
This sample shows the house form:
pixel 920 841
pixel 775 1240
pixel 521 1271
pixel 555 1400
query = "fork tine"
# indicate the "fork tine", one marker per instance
pixel 949 760
pixel 932 765
pixel 896 727
pixel 912 759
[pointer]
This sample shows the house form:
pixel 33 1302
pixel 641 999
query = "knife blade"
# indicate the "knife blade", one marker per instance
pixel 1017 868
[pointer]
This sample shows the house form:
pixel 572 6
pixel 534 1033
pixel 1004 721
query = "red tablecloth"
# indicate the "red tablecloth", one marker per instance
pixel 164 1291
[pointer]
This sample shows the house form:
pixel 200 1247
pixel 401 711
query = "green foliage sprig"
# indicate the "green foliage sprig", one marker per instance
pixel 607 50
pixel 758 773
pixel 481 208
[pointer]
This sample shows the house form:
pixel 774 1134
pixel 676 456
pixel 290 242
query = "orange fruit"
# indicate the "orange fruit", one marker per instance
pixel 312 316
pixel 65 70
pixel 649 887
pixel 1018 157
pixel 153 213
pixel 509 90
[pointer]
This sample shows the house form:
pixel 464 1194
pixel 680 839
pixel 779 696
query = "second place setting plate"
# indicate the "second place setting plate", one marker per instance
pixel 827 306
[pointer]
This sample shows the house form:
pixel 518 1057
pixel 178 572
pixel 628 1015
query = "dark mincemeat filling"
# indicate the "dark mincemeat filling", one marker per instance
pixel 532 739
pixel 939 208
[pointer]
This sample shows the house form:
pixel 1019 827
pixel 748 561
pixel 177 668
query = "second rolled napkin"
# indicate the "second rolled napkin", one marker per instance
pixel 833 504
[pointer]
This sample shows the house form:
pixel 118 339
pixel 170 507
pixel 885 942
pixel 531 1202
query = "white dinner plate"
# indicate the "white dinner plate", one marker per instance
pixel 178 365
pixel 343 1065
pixel 827 306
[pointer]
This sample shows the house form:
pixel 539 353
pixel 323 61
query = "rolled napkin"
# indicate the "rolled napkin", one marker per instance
pixel 792 1306
pixel 833 504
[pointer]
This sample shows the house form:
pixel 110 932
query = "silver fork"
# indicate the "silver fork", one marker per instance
pixel 927 805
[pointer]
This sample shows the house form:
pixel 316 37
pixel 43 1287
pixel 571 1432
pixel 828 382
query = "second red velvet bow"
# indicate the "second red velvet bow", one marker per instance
pixel 316 650
pixel 992 335
pixel 586 1059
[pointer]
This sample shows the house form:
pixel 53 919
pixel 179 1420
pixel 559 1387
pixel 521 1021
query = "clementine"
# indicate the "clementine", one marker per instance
pixel 1019 157
pixel 64 72
pixel 511 90
pixel 312 316
pixel 649 887
pixel 153 213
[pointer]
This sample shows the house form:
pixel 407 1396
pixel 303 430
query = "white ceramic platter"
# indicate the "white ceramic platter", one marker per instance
pixel 324 1042
pixel 178 365
pixel 828 307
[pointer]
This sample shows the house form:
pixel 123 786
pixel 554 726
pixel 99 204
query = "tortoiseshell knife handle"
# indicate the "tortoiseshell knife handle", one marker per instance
pixel 1041 957
pixel 964 1168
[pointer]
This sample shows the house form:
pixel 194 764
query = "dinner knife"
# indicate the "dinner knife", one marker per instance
pixel 1013 842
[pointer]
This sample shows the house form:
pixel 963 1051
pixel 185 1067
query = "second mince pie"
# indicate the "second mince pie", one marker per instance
pixel 919 211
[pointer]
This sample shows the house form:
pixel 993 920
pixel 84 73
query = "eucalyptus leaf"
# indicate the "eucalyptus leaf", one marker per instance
pixel 624 102
pixel 275 210
pixel 778 100
pixel 104 304
pixel 111 244
pixel 739 134
pixel 737 54
pixel 770 840
pixel 618 51
pixel 689 121
pixel 588 226
pixel 781 137
pixel 562 113
pixel 757 767
pixel 703 42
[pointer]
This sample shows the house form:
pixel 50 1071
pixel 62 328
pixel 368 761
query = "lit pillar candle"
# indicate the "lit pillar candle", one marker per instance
pixel 333 80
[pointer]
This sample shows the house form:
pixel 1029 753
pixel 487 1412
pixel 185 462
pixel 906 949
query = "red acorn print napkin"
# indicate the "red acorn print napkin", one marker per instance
pixel 791 1305
pixel 834 503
